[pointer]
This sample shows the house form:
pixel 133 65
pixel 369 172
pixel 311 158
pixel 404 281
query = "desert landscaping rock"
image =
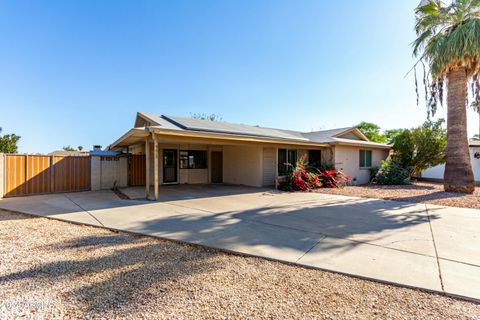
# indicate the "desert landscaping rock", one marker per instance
pixel 51 269
pixel 418 192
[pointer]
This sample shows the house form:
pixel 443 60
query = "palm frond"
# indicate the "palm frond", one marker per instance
pixel 448 37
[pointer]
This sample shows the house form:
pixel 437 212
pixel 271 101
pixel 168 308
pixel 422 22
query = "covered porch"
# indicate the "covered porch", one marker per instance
pixel 198 158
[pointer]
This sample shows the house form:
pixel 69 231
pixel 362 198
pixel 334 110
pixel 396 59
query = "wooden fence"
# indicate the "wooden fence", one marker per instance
pixel 136 169
pixel 38 174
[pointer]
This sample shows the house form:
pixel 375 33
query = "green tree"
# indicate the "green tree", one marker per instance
pixel 371 131
pixel 80 148
pixel 204 116
pixel 476 137
pixel 391 134
pixel 421 148
pixel 8 143
pixel 68 148
pixel 448 48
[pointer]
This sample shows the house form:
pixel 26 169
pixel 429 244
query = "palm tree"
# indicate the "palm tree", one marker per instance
pixel 448 44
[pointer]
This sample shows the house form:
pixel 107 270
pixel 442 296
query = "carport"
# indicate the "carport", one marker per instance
pixel 168 154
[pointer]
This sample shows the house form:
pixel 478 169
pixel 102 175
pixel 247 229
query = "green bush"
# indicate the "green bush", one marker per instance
pixel 373 173
pixel 422 147
pixel 392 172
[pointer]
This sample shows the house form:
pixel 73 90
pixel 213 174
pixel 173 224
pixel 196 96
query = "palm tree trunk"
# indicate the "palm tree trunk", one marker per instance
pixel 458 168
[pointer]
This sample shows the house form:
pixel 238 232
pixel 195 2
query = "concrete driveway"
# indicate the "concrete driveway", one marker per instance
pixel 417 245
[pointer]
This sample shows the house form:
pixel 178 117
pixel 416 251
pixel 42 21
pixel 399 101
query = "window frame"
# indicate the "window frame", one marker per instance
pixel 189 157
pixel 281 168
pixel 365 158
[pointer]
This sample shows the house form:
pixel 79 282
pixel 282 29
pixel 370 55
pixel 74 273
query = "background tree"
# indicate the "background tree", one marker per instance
pixel 371 131
pixel 8 143
pixel 391 134
pixel 476 137
pixel 203 116
pixel 80 148
pixel 448 48
pixel 415 150
pixel 68 148
pixel 422 147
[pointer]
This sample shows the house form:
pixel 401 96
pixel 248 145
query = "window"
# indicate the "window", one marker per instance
pixel 292 157
pixel 286 157
pixel 314 158
pixel 193 159
pixel 365 158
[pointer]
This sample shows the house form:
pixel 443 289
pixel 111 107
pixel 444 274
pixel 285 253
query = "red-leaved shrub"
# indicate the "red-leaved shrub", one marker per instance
pixel 304 178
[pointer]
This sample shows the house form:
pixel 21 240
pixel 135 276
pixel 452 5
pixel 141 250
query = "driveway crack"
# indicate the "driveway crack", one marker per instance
pixel 85 210
pixel 436 250
pixel 316 243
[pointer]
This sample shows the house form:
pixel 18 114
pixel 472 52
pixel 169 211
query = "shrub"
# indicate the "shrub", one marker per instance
pixel 373 173
pixel 420 148
pixel 321 168
pixel 300 179
pixel 305 178
pixel 392 172
pixel 333 179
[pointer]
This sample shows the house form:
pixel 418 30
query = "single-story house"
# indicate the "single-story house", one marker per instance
pixel 178 150
pixel 436 173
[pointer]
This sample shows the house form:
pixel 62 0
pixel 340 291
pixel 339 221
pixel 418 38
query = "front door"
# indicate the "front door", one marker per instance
pixel 169 166
pixel 217 167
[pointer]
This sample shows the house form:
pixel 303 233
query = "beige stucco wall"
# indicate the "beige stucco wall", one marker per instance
pixel 2 175
pixel 193 176
pixel 243 165
pixel 347 159
pixel 107 174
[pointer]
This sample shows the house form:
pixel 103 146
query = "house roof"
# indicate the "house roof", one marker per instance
pixel 183 123
pixel 153 122
pixel 65 153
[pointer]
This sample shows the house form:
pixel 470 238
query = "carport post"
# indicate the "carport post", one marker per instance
pixel 155 165
pixel 147 168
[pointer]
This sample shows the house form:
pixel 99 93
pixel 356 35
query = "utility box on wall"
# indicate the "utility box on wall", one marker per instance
pixel 109 170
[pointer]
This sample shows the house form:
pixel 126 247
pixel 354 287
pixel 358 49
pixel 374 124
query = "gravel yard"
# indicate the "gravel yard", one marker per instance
pixel 51 269
pixel 418 192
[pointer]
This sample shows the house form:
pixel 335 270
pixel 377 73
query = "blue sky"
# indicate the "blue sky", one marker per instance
pixel 76 72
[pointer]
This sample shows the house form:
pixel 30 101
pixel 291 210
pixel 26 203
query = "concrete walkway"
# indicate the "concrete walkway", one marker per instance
pixel 425 246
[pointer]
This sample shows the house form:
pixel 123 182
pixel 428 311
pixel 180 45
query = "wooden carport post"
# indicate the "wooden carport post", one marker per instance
pixel 155 165
pixel 147 168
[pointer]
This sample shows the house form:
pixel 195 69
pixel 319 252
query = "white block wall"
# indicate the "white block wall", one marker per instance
pixel 437 172
pixel 106 172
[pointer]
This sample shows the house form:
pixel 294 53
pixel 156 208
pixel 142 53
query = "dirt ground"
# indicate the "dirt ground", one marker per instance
pixel 418 192
pixel 51 269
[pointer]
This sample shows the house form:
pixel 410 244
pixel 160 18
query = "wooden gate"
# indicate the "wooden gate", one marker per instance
pixel 38 174
pixel 136 170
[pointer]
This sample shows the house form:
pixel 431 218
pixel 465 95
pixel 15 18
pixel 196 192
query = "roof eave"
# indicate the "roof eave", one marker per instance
pixel 233 137
pixel 368 144
pixel 141 132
